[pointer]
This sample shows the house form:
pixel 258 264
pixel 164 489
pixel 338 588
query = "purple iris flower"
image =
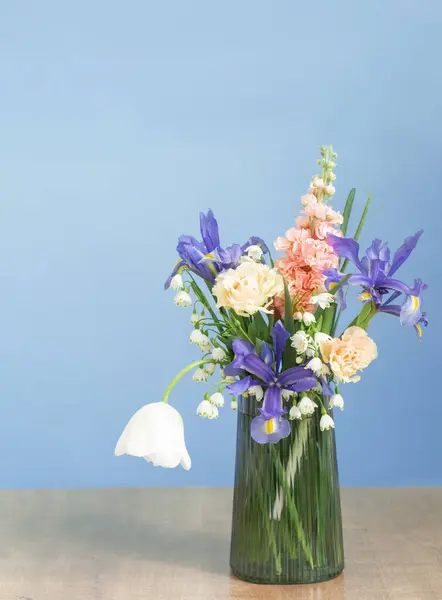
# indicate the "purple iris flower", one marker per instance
pixel 396 309
pixel 269 426
pixel 207 258
pixel 376 272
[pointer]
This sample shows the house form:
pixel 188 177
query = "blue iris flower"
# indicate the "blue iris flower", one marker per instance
pixel 269 426
pixel 207 258
pixel 375 275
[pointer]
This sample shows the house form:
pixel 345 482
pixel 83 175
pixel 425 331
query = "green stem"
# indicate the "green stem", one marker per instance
pixel 172 384
pixel 292 508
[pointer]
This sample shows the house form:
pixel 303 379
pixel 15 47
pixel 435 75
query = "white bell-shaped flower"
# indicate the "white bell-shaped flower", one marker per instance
pixel 307 406
pixel 200 375
pixel 176 282
pixel 308 318
pixel 326 422
pixel 257 391
pixel 218 354
pixel 183 299
pixel 295 413
pixel 337 401
pixel 155 433
pixel 217 399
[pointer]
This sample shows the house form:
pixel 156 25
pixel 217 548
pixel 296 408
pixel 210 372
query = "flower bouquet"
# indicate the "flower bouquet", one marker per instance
pixel 272 329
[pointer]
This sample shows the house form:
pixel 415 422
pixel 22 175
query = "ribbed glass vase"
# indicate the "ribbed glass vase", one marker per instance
pixel 286 526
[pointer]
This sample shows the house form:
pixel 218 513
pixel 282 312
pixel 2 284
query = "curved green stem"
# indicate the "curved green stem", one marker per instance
pixel 172 384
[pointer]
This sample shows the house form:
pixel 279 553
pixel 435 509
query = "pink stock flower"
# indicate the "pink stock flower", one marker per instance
pixel 307 252
pixel 322 212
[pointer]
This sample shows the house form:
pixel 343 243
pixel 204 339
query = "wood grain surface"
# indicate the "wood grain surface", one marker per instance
pixel 173 544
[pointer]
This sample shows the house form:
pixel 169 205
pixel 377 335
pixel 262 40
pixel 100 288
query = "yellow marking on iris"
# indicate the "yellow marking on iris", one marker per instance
pixel 418 329
pixel 270 426
pixel 333 285
pixel 364 296
pixel 414 303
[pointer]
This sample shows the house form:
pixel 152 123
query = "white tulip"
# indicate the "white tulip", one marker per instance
pixel 308 318
pixel 299 360
pixel 300 341
pixel 200 375
pixel 287 394
pixel 298 316
pixel 210 368
pixel 337 401
pixel 217 399
pixel 307 406
pixel 218 354
pixel 310 352
pixel 156 433
pixel 257 391
pixel 254 252
pixel 183 299
pixel 234 404
pixel 295 413
pixel 326 422
pixel 204 409
pixel 177 282
pixel 322 300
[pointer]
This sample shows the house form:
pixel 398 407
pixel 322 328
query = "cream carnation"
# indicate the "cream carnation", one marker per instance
pixel 349 354
pixel 248 288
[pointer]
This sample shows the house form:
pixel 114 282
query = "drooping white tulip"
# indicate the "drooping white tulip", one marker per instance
pixel 155 433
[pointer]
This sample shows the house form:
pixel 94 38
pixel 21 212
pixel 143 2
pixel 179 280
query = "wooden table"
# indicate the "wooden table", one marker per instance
pixel 173 544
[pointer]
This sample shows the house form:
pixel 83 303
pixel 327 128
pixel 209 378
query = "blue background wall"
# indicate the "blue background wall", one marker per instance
pixel 117 125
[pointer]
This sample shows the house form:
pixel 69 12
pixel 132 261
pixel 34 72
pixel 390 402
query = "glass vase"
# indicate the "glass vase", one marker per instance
pixel 286 525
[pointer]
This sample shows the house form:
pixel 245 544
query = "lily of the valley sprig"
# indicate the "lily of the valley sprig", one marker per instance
pixel 269 330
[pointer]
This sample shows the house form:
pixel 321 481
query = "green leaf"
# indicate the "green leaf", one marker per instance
pixel 289 322
pixel 327 319
pixel 289 354
pixel 260 325
pixel 359 229
pixel 347 210
pixel 367 313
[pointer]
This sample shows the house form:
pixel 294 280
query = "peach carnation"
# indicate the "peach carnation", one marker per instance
pixel 349 354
